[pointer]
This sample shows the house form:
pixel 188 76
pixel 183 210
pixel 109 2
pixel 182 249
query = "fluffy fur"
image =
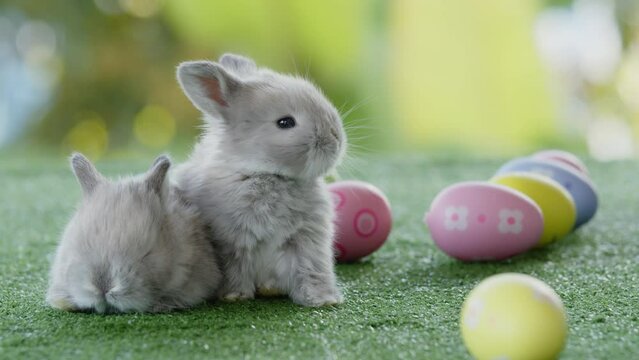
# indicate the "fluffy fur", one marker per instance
pixel 261 187
pixel 133 245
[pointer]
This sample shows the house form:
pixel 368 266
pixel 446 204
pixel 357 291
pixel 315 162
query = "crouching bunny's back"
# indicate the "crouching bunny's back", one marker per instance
pixel 132 245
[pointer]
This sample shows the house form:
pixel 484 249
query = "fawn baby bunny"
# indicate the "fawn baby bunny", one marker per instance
pixel 134 245
pixel 257 177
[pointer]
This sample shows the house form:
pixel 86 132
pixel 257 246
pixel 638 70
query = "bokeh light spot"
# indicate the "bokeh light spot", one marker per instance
pixel 628 83
pixel 110 7
pixel 154 126
pixel 141 8
pixel 4 121
pixel 610 139
pixel 89 136
pixel 36 42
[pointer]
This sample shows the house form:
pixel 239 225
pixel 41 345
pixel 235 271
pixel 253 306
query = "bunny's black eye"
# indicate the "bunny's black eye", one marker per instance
pixel 286 122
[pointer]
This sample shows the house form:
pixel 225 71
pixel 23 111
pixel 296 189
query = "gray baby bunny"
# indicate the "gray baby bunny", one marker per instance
pixel 134 245
pixel 257 177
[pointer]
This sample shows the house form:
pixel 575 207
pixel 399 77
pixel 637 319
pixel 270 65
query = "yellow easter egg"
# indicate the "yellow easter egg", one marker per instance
pixel 513 316
pixel 557 206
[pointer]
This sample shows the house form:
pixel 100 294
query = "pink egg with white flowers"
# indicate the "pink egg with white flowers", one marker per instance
pixel 362 219
pixel 479 221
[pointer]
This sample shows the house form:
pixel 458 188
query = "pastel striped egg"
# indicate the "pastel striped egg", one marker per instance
pixel 563 157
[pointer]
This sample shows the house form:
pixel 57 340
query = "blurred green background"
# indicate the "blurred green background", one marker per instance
pixel 490 77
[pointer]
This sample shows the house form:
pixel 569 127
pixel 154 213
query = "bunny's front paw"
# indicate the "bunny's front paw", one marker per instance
pixel 318 295
pixel 270 292
pixel 234 296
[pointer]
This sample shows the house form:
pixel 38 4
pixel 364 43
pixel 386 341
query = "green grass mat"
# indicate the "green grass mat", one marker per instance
pixel 403 302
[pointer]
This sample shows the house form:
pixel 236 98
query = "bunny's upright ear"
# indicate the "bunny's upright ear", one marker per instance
pixel 208 85
pixel 239 64
pixel 87 175
pixel 156 176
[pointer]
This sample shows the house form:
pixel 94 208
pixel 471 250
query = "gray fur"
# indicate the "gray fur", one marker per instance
pixel 260 187
pixel 133 245
pixel 238 64
pixel 157 174
pixel 210 87
pixel 85 172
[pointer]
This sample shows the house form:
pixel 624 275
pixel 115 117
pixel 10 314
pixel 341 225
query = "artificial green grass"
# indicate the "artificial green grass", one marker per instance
pixel 403 302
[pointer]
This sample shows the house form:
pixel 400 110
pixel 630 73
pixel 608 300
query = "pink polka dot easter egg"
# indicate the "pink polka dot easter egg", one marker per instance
pixel 476 221
pixel 363 219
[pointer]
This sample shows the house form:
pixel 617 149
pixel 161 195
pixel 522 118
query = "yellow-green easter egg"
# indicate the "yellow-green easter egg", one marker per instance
pixel 513 316
pixel 557 206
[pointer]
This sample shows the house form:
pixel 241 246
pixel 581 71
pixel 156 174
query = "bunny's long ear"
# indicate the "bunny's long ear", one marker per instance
pixel 156 176
pixel 238 64
pixel 87 175
pixel 208 85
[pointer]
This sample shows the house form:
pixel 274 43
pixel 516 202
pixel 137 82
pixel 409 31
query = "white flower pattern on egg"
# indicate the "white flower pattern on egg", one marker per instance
pixel 510 221
pixel 474 313
pixel 456 218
